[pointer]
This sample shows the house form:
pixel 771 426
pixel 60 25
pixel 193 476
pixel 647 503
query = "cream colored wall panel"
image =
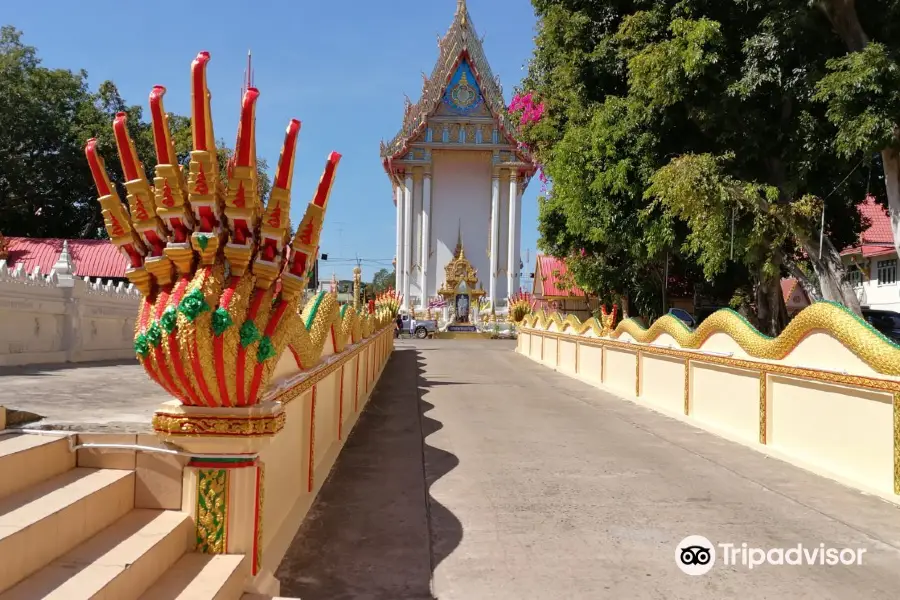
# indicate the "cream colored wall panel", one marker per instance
pixel 726 398
pixel 621 370
pixel 662 382
pixel 845 430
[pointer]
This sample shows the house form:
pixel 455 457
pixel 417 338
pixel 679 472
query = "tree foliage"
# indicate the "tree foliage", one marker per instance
pixel 382 280
pixel 46 116
pixel 670 124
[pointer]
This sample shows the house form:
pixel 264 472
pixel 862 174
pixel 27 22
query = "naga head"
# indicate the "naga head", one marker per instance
pixel 222 277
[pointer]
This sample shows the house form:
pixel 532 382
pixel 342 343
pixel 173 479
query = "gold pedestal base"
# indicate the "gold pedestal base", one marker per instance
pixel 235 430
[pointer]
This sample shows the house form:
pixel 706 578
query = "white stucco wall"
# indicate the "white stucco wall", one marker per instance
pixel 53 319
pixel 461 194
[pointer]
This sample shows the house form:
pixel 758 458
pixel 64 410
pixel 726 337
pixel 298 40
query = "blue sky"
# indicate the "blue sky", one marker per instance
pixel 341 67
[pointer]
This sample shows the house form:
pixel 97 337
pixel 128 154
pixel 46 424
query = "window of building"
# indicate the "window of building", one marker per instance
pixel 887 271
pixel 855 277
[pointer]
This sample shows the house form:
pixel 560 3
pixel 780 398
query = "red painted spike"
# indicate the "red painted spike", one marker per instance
pixel 96 164
pixel 242 153
pixel 198 68
pixel 159 131
pixel 287 154
pixel 327 179
pixel 120 129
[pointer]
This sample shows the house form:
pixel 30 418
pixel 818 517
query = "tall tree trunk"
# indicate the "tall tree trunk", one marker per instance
pixel 830 271
pixel 843 17
pixel 770 308
pixel 809 286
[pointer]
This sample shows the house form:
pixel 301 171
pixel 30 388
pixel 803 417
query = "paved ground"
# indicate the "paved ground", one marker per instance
pixel 108 396
pixel 530 485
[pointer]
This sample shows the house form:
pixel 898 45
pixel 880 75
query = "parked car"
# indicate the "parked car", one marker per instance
pixel 684 316
pixel 422 328
pixel 885 321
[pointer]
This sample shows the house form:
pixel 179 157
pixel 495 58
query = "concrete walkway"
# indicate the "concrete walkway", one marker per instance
pixel 98 397
pixel 530 485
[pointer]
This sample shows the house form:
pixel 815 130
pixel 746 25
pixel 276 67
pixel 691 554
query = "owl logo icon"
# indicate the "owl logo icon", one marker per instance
pixel 695 555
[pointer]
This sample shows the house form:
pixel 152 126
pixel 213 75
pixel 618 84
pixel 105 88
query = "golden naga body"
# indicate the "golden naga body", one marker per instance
pixel 221 277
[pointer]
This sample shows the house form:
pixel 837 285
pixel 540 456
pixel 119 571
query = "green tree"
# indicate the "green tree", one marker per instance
pixel 862 90
pixel 46 116
pixel 669 124
pixel 382 280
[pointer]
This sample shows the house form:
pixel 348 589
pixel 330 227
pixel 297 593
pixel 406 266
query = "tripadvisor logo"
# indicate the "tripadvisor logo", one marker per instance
pixel 696 555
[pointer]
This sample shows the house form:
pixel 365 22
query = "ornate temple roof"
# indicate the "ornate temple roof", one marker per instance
pixel 461 43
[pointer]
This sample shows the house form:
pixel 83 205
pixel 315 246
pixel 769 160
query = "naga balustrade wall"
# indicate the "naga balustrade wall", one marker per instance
pixel 824 395
pixel 60 318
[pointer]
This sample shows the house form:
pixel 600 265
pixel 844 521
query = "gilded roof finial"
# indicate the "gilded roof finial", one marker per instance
pixel 459 242
pixel 461 10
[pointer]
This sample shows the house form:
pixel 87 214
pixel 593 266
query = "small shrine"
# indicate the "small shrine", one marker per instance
pixel 461 290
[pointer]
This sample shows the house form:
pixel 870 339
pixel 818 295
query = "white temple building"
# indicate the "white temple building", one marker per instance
pixel 458 172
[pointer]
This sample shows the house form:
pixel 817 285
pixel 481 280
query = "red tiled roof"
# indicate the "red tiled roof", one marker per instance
pixel 877 239
pixel 92 258
pixel 551 270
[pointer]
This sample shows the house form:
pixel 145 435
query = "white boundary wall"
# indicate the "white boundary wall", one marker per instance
pixel 59 318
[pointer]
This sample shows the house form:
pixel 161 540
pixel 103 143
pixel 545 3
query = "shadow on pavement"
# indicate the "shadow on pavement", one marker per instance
pixel 373 532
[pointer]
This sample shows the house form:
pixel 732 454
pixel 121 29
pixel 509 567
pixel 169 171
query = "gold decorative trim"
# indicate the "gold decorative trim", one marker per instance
pixel 212 511
pixel 763 406
pixel 687 387
pixel 637 374
pixel 865 381
pixel 218 426
pixel 260 507
pixel 602 362
pixel 897 442
pixel 291 394
pixel 833 319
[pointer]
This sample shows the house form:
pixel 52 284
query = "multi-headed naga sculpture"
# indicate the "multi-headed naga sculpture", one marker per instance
pixel 221 278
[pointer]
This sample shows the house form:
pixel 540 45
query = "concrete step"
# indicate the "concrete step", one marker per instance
pixel 42 523
pixel 202 577
pixel 26 460
pixel 119 563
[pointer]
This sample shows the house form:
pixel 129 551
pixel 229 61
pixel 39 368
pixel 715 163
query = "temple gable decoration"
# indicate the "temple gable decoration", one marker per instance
pixel 463 95
pixel 461 83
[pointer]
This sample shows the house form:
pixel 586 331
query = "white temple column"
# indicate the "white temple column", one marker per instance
pixel 495 235
pixel 407 238
pixel 519 240
pixel 426 238
pixel 512 255
pixel 398 253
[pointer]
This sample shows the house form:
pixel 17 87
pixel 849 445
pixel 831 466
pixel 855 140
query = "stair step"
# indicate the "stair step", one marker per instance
pixel 202 577
pixel 26 460
pixel 40 524
pixel 118 563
